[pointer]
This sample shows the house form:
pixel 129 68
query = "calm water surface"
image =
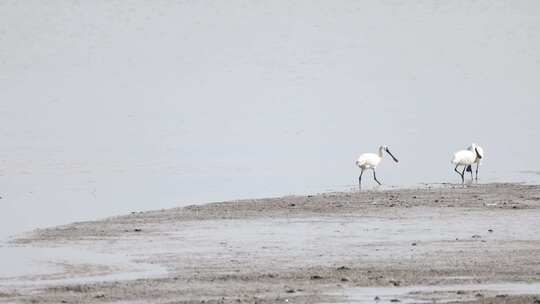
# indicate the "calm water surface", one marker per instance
pixel 109 107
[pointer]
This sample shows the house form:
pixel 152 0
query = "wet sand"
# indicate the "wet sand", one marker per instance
pixel 478 243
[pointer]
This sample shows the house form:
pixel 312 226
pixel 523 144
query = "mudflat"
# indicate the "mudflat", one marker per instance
pixel 478 243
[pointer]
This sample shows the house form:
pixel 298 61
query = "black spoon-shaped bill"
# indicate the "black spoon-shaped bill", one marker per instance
pixel 393 157
pixel 478 153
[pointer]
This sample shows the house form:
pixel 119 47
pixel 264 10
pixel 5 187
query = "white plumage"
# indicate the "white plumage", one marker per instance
pixel 368 161
pixel 466 158
pixel 476 148
pixel 480 150
pixel 371 161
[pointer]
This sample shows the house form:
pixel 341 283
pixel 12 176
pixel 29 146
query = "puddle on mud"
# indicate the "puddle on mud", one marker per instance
pixel 437 294
pixel 325 238
pixel 295 242
pixel 30 266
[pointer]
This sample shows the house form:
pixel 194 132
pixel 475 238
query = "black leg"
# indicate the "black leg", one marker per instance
pixel 469 168
pixel 360 180
pixel 455 169
pixel 477 165
pixel 463 175
pixel 375 177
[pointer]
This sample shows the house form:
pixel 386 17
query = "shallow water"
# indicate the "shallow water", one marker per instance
pixel 287 243
pixel 32 266
pixel 316 241
pixel 110 108
pixel 438 294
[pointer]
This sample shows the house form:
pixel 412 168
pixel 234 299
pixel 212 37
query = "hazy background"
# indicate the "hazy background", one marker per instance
pixel 108 107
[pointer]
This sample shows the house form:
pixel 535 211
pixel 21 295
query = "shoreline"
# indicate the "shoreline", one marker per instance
pixel 313 248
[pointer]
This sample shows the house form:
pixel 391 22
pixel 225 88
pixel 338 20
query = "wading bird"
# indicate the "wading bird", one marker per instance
pixel 466 158
pixel 474 147
pixel 370 161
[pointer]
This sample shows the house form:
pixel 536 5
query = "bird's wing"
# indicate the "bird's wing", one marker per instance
pixel 367 159
pixel 464 157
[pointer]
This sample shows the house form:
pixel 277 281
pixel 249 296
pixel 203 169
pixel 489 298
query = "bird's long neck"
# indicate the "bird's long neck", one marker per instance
pixel 381 152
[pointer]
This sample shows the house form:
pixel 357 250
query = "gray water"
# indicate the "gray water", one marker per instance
pixel 438 294
pixel 280 243
pixel 29 267
pixel 110 107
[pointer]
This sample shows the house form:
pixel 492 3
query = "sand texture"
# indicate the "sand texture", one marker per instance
pixel 478 243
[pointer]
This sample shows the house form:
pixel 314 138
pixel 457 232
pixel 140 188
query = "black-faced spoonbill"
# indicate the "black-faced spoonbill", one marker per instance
pixel 465 158
pixel 370 161
pixel 474 147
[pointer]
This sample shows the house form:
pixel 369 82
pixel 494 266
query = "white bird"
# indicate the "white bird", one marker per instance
pixel 474 147
pixel 466 158
pixel 370 161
